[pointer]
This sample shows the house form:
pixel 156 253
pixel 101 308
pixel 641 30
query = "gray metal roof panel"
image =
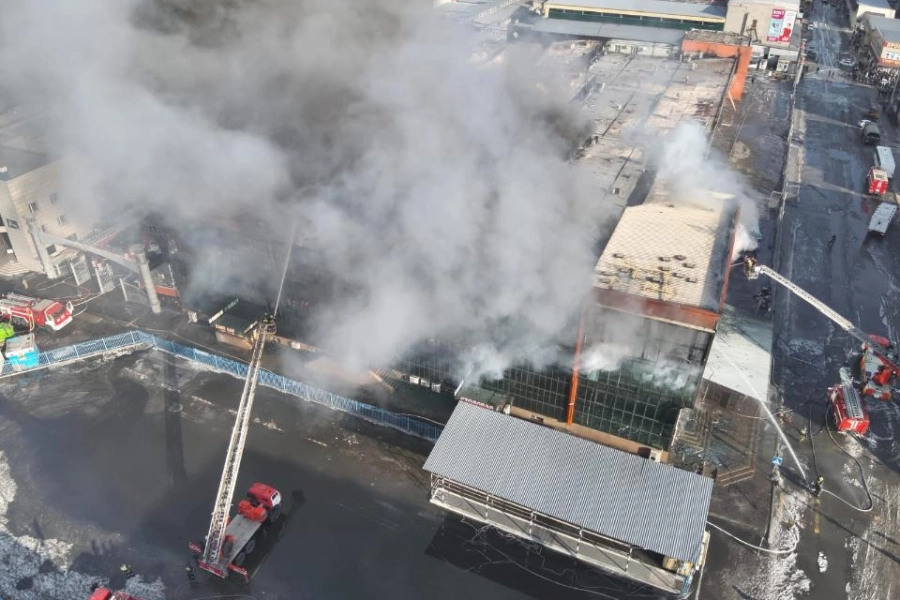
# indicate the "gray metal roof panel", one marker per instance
pixel 889 28
pixel 616 494
pixel 674 8
pixel 740 355
pixel 609 31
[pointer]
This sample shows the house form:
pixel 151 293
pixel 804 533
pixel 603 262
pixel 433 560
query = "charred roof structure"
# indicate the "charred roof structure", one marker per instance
pixel 626 371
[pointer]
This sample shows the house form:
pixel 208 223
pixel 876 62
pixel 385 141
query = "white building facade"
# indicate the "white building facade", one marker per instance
pixel 773 26
pixel 857 8
pixel 29 192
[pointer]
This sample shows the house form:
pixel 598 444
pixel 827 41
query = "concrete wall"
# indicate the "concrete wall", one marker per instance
pixel 882 9
pixel 753 18
pixel 17 230
pixel 39 187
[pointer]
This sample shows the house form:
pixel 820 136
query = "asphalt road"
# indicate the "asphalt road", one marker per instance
pixel 858 277
pixel 105 463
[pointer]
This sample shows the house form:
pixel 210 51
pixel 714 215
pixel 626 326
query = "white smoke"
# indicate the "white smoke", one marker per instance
pixel 434 195
pixel 695 173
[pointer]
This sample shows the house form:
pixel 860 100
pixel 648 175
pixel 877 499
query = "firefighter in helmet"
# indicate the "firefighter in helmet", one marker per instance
pixel 269 324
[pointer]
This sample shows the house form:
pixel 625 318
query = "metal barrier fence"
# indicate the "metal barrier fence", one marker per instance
pixel 136 340
pixel 120 343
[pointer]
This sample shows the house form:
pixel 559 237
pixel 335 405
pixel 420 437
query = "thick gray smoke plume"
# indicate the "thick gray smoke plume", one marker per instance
pixel 437 192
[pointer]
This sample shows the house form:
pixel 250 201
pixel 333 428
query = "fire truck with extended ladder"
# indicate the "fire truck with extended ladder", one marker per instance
pixel 36 312
pixel 879 362
pixel 230 541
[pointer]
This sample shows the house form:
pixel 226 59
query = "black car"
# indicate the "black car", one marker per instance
pixel 811 55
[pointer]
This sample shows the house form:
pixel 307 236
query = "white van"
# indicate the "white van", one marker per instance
pixel 884 158
pixel 882 217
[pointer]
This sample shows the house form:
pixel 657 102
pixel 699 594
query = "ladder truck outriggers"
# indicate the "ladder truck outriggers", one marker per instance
pixel 230 541
pixel 880 360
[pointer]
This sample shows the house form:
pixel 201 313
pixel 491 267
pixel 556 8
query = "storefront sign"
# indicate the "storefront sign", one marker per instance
pixel 781 27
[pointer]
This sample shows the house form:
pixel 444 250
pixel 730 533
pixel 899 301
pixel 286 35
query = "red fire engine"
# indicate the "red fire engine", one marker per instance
pixel 849 412
pixel 105 594
pixel 877 182
pixel 261 507
pixel 36 312
pixel 877 374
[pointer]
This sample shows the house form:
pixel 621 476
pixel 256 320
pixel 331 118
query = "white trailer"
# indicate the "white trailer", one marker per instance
pixel 882 217
pixel 884 158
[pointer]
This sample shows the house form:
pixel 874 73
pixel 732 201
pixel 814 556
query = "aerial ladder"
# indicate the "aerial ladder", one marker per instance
pixel 878 351
pixel 229 540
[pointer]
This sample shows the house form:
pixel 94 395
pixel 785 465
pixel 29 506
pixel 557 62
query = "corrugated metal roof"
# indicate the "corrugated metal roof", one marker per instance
pixel 612 31
pixel 668 252
pixel 740 355
pixel 653 7
pixel 889 28
pixel 613 493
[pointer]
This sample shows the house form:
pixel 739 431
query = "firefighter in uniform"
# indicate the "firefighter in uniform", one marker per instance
pixel 189 571
pixel 820 483
pixel 126 570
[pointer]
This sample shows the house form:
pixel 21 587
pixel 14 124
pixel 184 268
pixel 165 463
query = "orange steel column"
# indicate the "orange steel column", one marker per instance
pixel 576 368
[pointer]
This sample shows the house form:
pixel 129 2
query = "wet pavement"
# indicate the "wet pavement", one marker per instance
pixel 117 462
pixel 842 552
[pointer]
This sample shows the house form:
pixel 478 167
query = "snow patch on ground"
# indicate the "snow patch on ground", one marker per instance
pixel 822 562
pixel 34 569
pixel 53 550
pixel 851 475
pixel 139 588
pixel 270 424
pixel 883 433
pixel 872 555
pixel 851 446
pixel 777 577
pixel 806 348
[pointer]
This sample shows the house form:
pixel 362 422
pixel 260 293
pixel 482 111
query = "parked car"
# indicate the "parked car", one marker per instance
pixel 848 62
pixel 812 55
pixel 871 135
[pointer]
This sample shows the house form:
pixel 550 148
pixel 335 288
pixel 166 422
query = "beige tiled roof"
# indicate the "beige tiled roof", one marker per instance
pixel 668 252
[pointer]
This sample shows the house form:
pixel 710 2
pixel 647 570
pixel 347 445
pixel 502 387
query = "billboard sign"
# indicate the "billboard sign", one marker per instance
pixel 781 26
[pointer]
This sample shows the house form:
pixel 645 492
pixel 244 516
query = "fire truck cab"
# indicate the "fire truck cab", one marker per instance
pixel 877 182
pixel 850 413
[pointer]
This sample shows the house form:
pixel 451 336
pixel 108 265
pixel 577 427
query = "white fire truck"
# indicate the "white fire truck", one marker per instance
pixel 35 312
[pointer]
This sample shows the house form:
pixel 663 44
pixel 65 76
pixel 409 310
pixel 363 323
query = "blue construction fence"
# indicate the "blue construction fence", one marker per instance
pixel 136 340
pixel 120 343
